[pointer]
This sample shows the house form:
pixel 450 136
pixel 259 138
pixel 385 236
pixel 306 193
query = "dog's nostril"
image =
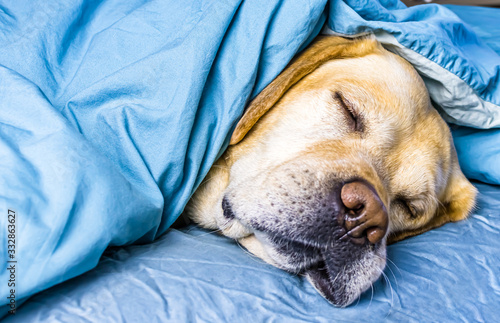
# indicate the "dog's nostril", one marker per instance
pixel 366 217
pixel 355 210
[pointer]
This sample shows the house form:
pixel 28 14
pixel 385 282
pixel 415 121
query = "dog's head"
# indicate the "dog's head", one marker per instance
pixel 341 154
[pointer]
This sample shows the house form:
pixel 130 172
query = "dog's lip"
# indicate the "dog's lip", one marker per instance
pixel 324 273
pixel 324 281
pixel 321 279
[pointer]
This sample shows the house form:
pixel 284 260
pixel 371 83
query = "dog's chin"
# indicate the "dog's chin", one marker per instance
pixel 341 287
pixel 324 283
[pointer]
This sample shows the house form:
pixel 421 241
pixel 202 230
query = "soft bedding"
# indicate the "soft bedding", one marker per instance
pixel 447 275
pixel 479 150
pixel 111 114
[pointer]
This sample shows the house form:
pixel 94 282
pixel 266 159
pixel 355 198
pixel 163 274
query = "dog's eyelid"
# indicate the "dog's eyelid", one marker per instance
pixel 409 205
pixel 353 116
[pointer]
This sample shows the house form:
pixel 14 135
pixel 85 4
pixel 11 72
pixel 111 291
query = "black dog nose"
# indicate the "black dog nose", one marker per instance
pixel 366 216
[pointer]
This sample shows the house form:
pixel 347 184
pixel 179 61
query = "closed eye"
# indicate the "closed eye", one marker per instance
pixel 408 207
pixel 353 119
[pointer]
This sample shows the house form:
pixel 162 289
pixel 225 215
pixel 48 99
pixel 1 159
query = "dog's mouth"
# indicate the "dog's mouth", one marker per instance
pixel 340 272
pixel 343 285
pixel 325 282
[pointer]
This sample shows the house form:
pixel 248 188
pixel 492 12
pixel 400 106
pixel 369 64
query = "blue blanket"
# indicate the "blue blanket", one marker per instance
pixel 112 112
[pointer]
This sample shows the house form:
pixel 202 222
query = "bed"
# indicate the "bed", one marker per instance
pixel 188 274
pixel 191 275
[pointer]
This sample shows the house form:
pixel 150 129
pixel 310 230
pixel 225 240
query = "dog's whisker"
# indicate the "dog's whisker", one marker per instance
pixel 371 298
pixel 338 274
pixel 205 233
pixel 391 289
pixel 220 166
pixel 206 180
pixel 391 303
pixel 212 231
pixel 386 278
pixel 359 299
pixel 392 272
pixel 394 264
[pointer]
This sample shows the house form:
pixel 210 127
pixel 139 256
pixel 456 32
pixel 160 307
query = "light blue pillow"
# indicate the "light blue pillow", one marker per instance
pixel 479 153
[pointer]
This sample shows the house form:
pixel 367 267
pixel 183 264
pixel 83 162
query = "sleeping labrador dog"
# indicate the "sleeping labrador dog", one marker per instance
pixel 340 155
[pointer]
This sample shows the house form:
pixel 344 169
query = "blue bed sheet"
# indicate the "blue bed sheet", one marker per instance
pixel 112 112
pixel 451 274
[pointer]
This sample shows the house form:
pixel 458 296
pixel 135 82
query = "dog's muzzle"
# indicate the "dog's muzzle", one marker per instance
pixel 337 240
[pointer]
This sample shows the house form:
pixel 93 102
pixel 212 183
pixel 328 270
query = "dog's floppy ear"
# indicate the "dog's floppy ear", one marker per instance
pixel 324 49
pixel 458 202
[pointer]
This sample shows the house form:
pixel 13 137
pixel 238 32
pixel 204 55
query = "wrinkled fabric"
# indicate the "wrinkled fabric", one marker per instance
pixel 112 112
pixel 479 150
pixel 483 21
pixel 451 274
